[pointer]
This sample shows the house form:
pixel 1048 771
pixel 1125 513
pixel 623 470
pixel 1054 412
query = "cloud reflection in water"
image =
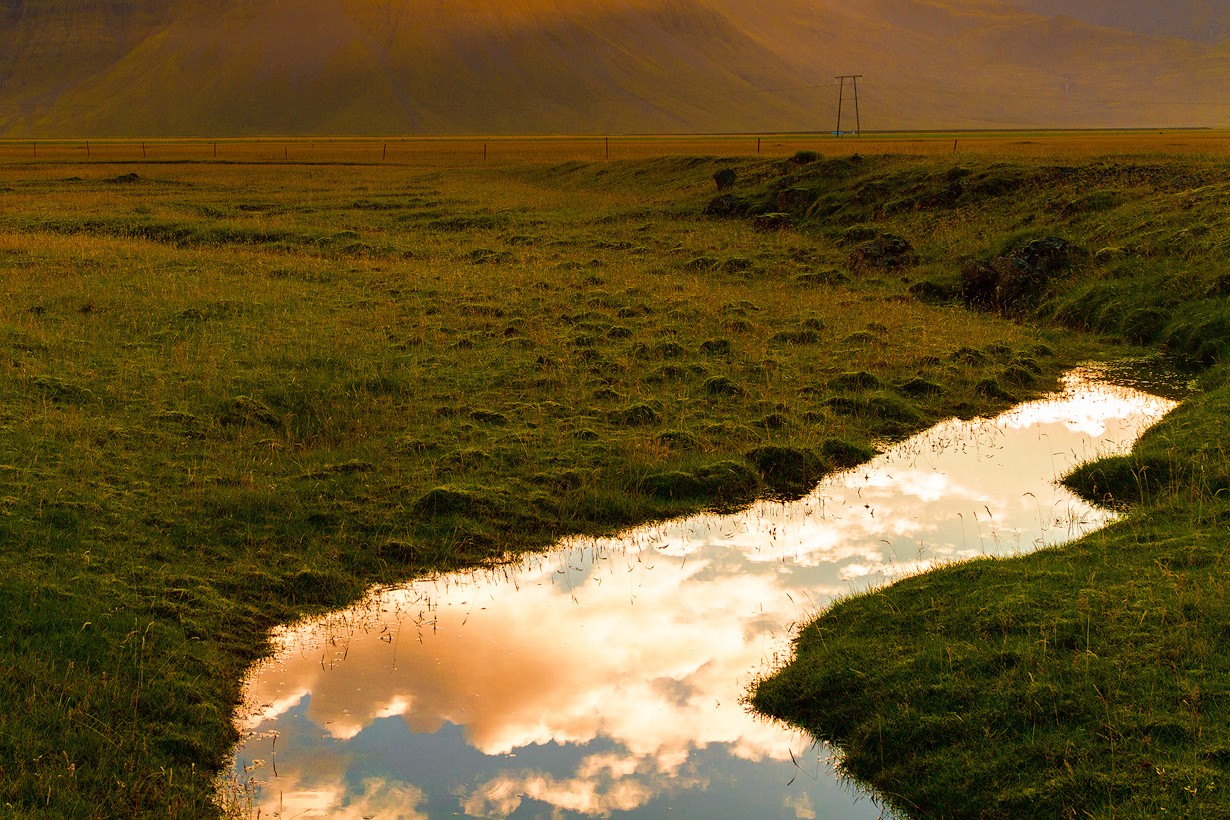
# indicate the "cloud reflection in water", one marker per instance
pixel 604 678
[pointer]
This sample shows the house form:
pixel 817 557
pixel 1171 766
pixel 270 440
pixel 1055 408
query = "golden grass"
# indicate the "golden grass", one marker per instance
pixel 456 150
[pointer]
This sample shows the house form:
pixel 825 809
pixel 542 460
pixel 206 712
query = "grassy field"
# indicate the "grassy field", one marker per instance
pixel 237 392
pixel 453 152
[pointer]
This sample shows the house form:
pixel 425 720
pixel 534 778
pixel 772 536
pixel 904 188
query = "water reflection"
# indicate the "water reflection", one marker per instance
pixel 603 679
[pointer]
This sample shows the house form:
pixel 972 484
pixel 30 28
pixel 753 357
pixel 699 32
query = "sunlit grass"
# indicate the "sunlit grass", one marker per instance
pixel 236 392
pixel 450 152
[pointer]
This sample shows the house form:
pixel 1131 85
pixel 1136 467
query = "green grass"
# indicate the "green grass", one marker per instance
pixel 1088 680
pixel 233 395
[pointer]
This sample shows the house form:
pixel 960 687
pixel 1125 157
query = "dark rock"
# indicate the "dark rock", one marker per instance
pixel 725 179
pixel 934 293
pixel 772 221
pixel 727 205
pixel 794 200
pixel 979 286
pixel 946 197
pixel 885 252
pixel 1015 281
pixel 858 233
pixel 1050 254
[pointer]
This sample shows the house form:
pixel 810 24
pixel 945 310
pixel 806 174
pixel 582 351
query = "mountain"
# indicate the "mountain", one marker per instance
pixel 1202 21
pixel 252 67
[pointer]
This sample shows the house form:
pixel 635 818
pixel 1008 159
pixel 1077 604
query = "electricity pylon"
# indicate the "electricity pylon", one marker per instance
pixel 841 99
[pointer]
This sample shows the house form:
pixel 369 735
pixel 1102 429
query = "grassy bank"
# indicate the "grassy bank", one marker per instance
pixel 235 394
pixel 1088 680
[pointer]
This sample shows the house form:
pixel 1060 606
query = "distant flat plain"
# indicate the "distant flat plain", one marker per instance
pixel 546 148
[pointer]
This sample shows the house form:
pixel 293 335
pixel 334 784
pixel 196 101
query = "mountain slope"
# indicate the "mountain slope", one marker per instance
pixel 1203 21
pixel 366 66
pixel 243 67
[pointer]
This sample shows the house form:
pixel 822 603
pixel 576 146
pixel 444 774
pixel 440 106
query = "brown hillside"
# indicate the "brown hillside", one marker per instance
pixel 242 67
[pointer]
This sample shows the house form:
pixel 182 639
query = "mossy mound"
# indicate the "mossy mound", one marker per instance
pixel 724 482
pixel 791 472
pixel 446 500
pixel 860 380
pixel 843 454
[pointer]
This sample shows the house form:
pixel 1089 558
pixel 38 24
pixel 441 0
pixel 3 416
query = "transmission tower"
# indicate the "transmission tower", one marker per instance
pixel 841 99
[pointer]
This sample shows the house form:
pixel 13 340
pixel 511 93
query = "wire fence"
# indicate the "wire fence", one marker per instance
pixel 472 150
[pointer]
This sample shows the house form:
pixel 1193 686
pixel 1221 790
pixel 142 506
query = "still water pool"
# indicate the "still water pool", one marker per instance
pixel 604 679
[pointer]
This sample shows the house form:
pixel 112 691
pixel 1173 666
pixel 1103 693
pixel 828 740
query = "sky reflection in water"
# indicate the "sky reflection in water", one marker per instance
pixel 604 678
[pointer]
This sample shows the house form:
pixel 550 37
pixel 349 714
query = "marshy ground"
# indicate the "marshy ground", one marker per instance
pixel 237 392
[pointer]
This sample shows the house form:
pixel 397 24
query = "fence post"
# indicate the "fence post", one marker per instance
pixel 215 150
pixel 87 149
pixel 142 150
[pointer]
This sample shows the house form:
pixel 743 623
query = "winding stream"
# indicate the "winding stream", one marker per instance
pixel 603 679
